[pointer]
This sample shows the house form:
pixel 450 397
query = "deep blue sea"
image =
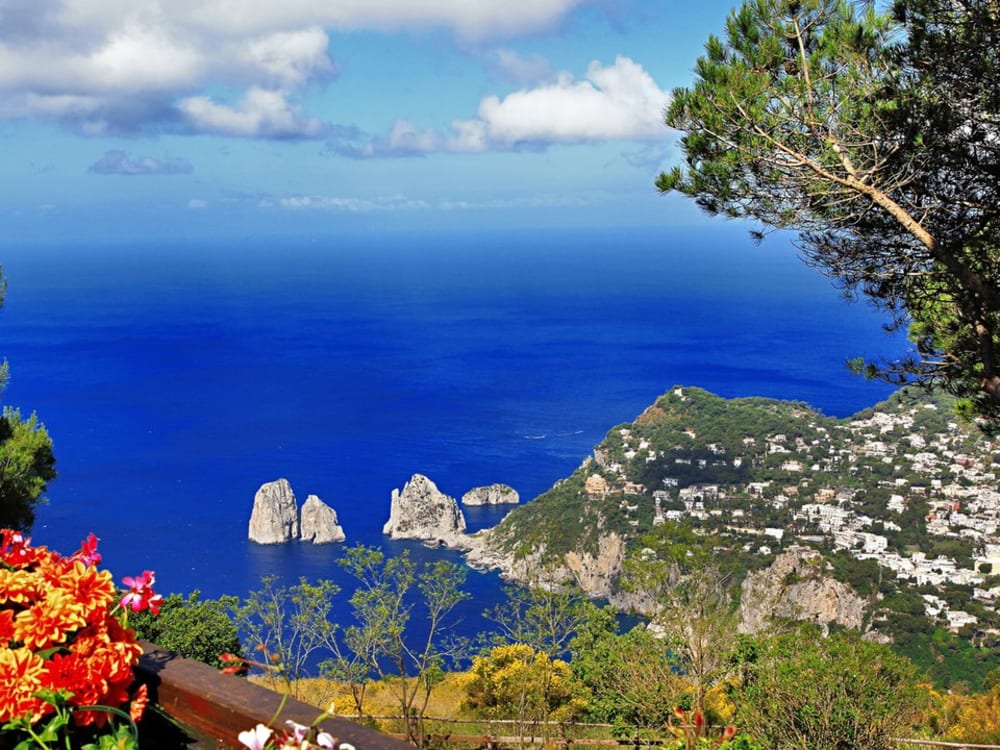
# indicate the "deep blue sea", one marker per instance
pixel 177 378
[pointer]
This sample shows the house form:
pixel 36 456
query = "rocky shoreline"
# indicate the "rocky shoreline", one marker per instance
pixel 421 512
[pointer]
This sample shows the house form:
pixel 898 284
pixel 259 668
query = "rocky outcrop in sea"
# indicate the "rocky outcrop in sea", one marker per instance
pixel 275 517
pixel 492 494
pixel 421 511
pixel 319 523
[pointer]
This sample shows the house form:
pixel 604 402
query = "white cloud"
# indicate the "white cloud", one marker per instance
pixel 260 113
pixel 615 102
pixel 197 204
pixel 125 66
pixel 289 59
pixel 621 101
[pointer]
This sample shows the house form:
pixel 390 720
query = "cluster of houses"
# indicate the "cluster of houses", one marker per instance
pixel 815 484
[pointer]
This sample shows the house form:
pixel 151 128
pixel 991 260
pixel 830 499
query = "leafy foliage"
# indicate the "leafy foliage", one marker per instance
pixel 382 641
pixel 517 682
pixel 27 465
pixel 195 628
pixel 835 693
pixel 543 618
pixel 875 136
pixel 288 623
pixel 628 680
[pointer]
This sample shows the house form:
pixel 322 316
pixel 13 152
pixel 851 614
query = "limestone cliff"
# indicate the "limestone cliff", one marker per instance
pixel 421 511
pixel 319 523
pixel 595 574
pixel 275 517
pixel 493 494
pixel 796 587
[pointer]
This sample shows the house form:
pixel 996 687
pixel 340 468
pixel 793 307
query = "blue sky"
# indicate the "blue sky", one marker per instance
pixel 220 117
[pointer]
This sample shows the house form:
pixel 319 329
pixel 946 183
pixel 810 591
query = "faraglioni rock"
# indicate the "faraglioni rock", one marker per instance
pixel 421 511
pixel 275 515
pixel 319 523
pixel 493 494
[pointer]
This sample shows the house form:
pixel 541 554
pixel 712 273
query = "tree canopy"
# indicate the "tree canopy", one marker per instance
pixel 876 136
pixel 27 463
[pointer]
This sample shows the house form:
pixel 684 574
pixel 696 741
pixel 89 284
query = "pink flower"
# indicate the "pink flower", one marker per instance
pixel 140 595
pixel 256 738
pixel 299 731
pixel 88 554
pixel 325 739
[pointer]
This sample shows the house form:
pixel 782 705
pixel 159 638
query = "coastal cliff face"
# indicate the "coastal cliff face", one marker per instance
pixel 319 523
pixel 275 516
pixel 796 587
pixel 493 494
pixel 595 574
pixel 421 511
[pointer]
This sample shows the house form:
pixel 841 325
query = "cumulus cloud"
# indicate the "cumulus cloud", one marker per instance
pixel 118 162
pixel 613 102
pixel 259 113
pixel 133 66
pixel 620 101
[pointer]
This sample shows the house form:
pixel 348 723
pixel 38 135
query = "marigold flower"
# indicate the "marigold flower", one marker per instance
pixel 18 586
pixel 20 678
pixel 49 622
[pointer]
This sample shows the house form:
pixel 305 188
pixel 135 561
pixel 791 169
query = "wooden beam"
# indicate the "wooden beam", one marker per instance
pixel 221 706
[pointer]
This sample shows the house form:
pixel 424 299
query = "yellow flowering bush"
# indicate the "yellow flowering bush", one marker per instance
pixel 66 654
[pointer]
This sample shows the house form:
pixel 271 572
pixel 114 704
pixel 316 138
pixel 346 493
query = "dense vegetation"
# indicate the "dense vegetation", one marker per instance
pixel 556 657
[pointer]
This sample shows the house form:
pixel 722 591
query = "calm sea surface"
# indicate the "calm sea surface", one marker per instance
pixel 176 379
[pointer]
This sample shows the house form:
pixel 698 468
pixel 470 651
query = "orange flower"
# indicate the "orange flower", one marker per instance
pixel 20 677
pixel 92 588
pixel 63 608
pixel 139 702
pixel 49 622
pixel 18 586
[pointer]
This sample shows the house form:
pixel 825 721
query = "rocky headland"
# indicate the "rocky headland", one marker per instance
pixel 878 521
pixel 276 519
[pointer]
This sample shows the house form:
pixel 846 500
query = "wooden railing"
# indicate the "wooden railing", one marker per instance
pixel 212 708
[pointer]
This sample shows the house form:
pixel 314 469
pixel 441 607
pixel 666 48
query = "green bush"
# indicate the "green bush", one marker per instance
pixel 195 628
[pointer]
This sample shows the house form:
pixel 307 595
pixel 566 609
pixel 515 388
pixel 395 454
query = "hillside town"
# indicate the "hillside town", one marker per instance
pixel 904 485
